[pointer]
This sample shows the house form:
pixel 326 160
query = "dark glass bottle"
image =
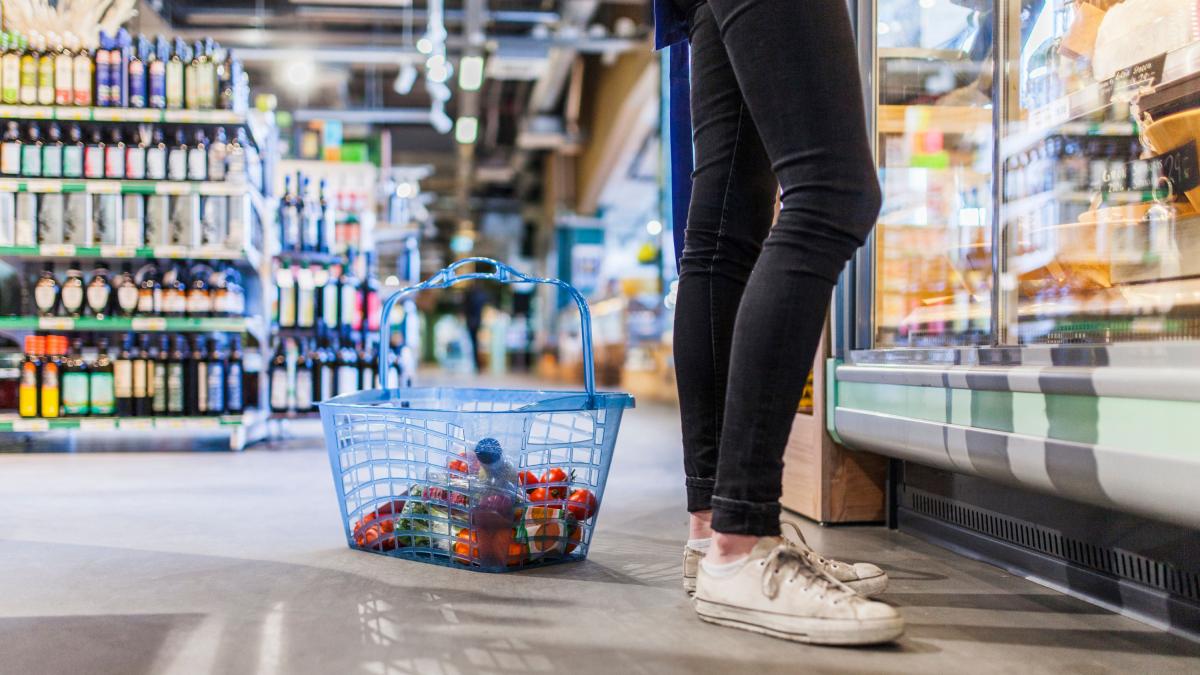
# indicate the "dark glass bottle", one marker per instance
pixel 304 379
pixel 235 401
pixel 123 378
pixel 196 391
pixel 73 153
pixel 141 378
pixel 102 389
pixel 216 380
pixel 73 291
pixel 279 379
pixel 52 153
pixel 150 295
pixel 161 353
pixel 177 367
pixel 99 292
pixel 76 401
pixel 348 374
pixel 46 292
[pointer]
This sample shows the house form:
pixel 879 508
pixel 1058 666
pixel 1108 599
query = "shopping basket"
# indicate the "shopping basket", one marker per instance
pixel 404 464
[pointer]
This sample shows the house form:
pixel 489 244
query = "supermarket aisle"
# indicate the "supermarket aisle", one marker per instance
pixel 214 562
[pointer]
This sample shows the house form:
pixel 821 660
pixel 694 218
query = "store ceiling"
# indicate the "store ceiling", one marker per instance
pixel 358 47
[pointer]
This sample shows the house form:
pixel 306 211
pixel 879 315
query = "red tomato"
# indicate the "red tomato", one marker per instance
pixel 527 478
pixel 540 495
pixel 434 494
pixel 582 504
pixel 556 475
pixel 575 538
pixel 458 465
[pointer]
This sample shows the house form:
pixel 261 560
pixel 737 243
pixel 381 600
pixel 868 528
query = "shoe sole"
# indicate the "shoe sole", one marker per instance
pixel 844 632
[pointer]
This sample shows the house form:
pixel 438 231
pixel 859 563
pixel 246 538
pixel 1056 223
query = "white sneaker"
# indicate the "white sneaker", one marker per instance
pixel 864 578
pixel 779 592
pixel 691 566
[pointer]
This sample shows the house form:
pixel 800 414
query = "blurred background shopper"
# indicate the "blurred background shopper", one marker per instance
pixel 776 103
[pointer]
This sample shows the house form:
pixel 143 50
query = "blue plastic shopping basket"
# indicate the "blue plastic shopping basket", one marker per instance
pixel 404 467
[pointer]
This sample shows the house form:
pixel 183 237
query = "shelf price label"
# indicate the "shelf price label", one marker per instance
pixel 1181 167
pixel 172 188
pixel 117 251
pixel 56 323
pixel 153 323
pixel 106 114
pixel 171 252
pixel 57 250
pixel 104 187
pixel 30 425
pixel 77 114
pixel 9 186
pixel 98 424
pixel 36 185
pixel 137 424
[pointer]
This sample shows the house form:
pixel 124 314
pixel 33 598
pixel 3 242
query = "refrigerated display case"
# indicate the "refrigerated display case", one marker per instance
pixel 1022 333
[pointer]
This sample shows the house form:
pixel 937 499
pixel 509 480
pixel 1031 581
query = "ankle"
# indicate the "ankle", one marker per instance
pixel 700 525
pixel 727 548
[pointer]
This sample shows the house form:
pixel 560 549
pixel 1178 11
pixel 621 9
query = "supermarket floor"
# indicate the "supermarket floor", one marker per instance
pixel 235 563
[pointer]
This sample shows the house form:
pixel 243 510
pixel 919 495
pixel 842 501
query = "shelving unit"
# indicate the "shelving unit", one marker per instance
pixel 240 428
pixel 137 324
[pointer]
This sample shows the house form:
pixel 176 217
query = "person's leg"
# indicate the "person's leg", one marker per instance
pixel 797 69
pixel 729 216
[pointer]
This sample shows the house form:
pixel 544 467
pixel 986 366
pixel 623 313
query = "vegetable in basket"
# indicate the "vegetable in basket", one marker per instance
pixel 493 504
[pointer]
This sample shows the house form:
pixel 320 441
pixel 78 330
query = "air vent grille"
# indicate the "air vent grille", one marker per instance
pixel 1116 562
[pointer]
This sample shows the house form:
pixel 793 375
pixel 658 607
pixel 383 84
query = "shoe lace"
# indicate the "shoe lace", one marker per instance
pixel 788 562
pixel 798 542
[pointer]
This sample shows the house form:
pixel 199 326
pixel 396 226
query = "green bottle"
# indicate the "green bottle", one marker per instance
pixel 76 384
pixel 29 73
pixel 10 70
pixel 101 393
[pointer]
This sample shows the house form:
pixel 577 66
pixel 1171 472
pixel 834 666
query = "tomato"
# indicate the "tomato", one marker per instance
pixel 540 495
pixel 576 538
pixel 395 506
pixel 556 475
pixel 462 545
pixel 516 553
pixel 434 494
pixel 459 499
pixel 582 504
pixel 458 465
pixel 527 478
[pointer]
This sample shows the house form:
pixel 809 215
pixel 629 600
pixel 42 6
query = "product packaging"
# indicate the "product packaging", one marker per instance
pixel 214 221
pixel 185 221
pixel 106 219
pixel 77 223
pixel 50 218
pixel 132 221
pixel 239 221
pixel 158 220
pixel 25 221
pixel 8 216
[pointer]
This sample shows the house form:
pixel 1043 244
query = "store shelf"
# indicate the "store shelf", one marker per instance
pixel 12 423
pixel 310 257
pixel 1067 109
pixel 899 119
pixel 71 252
pixel 139 324
pixel 110 186
pixel 122 115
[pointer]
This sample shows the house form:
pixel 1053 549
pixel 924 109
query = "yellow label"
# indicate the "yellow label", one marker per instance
pixel 55 323
pixel 149 324
pixel 100 424
pixel 117 251
pixel 104 187
pixel 172 188
pixel 58 250
pixel 44 186
pixel 66 113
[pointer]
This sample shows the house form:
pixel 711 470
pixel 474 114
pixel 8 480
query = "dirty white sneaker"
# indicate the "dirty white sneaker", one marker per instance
pixel 691 565
pixel 866 579
pixel 778 592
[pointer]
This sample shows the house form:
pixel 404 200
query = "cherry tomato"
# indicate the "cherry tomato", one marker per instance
pixel 434 494
pixel 556 475
pixel 458 465
pixel 582 504
pixel 462 545
pixel 527 478
pixel 540 495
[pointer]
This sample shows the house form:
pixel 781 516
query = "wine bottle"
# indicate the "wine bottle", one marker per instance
pixel 52 153
pixel 76 382
pixel 141 378
pixel 102 383
pixel 123 378
pixel 279 379
pixel 235 403
pixel 177 378
pixel 10 150
pixel 128 294
pixel 99 292
pixel 216 380
pixel 46 292
pixel 31 152
pixel 162 366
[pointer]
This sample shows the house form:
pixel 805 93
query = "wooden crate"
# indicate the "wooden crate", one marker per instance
pixel 825 481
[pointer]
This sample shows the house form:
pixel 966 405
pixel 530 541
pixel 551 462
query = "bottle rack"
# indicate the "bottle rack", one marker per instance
pixel 246 258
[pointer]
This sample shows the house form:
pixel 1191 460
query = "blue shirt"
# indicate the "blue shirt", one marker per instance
pixel 670 30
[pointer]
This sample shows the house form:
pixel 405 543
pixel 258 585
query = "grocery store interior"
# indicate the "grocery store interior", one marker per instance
pixel 295 295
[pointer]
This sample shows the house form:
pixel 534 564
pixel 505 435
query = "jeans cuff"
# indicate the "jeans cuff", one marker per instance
pixel 699 493
pixel 734 516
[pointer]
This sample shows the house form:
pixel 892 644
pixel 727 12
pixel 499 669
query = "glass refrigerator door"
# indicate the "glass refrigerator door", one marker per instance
pixel 1100 183
pixel 933 253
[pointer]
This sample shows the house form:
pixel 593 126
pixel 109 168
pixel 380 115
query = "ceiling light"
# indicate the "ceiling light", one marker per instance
pixel 470 73
pixel 654 228
pixel 299 74
pixel 425 45
pixel 405 79
pixel 466 129
pixel 405 190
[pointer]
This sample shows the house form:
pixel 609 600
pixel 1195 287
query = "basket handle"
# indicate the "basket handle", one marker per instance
pixel 502 274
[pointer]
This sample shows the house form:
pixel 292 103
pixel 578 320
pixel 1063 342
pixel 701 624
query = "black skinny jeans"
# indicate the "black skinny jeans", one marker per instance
pixel 776 103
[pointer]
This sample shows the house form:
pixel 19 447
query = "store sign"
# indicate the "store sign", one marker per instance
pixel 1148 73
pixel 1180 166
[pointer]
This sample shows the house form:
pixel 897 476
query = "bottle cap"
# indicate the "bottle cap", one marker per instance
pixel 488 451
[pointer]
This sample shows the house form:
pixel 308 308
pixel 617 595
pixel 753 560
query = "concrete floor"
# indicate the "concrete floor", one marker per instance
pixel 235 563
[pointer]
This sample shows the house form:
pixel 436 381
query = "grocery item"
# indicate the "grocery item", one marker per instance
pixel 1136 30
